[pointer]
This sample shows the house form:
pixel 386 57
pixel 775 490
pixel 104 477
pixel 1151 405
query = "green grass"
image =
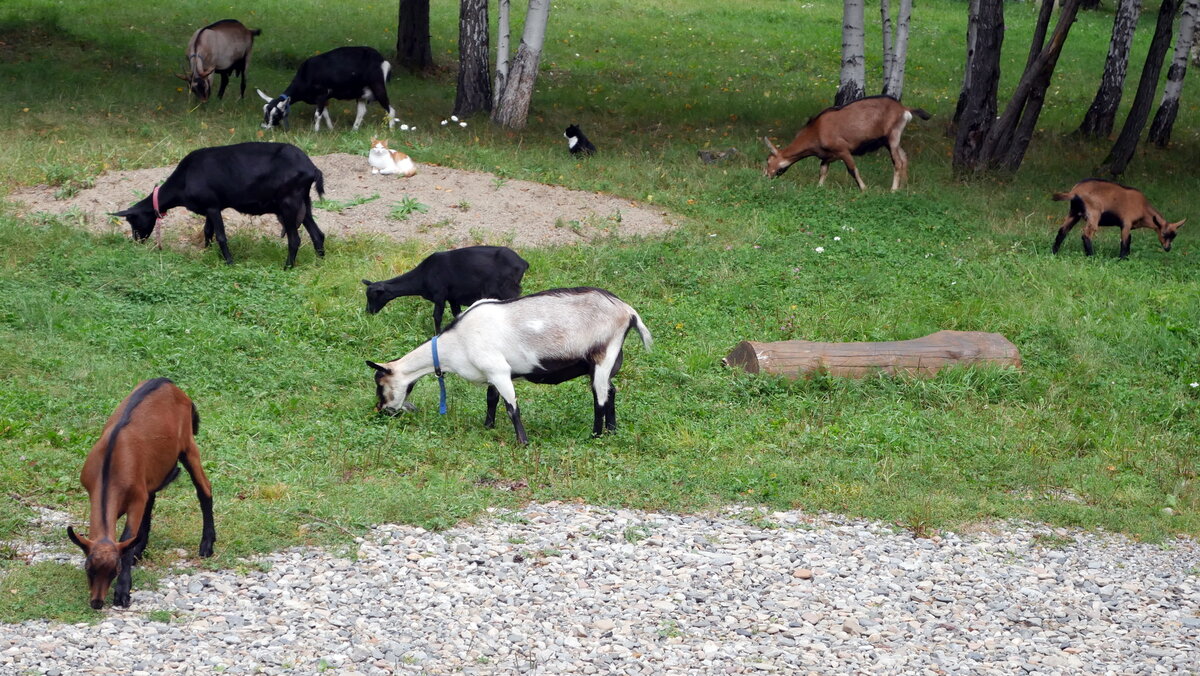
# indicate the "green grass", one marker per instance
pixel 1102 408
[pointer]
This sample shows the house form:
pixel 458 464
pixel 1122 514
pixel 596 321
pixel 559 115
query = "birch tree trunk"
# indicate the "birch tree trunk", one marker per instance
pixel 1102 114
pixel 474 82
pixel 885 22
pixel 972 38
pixel 1122 151
pixel 977 102
pixel 502 40
pixel 854 70
pixel 522 74
pixel 413 50
pixel 893 84
pixel 1164 119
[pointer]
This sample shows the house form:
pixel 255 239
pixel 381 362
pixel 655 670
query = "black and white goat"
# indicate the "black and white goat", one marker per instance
pixel 344 73
pixel 548 337
pixel 458 277
pixel 253 178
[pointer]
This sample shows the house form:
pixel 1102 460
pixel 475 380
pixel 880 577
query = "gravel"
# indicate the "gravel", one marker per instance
pixel 566 588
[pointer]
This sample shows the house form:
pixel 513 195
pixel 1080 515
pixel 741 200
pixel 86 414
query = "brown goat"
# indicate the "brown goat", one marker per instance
pixel 1106 203
pixel 138 454
pixel 840 132
pixel 222 48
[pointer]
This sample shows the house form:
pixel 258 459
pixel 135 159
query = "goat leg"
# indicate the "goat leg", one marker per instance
pixel 191 462
pixel 1062 232
pixel 493 399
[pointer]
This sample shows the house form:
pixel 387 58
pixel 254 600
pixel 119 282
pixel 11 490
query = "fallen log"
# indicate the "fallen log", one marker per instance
pixel 918 357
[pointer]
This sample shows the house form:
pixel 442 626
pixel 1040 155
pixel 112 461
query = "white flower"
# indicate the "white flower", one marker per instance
pixel 712 234
pixel 462 124
pixel 445 122
pixel 837 239
pixel 454 118
pixel 1195 384
pixel 820 249
pixel 404 127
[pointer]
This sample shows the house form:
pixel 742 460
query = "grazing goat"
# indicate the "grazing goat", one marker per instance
pixel 253 178
pixel 222 48
pixel 1103 202
pixel 548 337
pixel 137 455
pixel 343 73
pixel 840 132
pixel 459 277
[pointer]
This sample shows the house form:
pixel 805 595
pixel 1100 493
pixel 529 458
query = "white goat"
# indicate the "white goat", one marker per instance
pixel 548 337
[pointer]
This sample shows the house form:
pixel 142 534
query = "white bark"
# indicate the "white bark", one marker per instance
pixel 854 71
pixel 502 40
pixel 1164 120
pixel 885 18
pixel 893 85
pixel 513 105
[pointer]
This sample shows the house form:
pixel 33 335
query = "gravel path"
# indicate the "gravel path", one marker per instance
pixel 564 588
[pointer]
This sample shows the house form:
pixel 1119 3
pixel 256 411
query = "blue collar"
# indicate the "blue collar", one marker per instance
pixel 437 370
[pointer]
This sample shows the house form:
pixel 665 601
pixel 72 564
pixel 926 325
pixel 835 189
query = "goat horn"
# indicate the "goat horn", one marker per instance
pixel 183 77
pixel 770 146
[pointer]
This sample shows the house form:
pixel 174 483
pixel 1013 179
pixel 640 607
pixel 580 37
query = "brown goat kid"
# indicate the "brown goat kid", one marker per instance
pixel 222 48
pixel 841 132
pixel 138 454
pixel 1105 203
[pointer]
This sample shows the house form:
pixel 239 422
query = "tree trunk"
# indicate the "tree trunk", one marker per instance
pixel 1164 119
pixel 885 21
pixel 474 79
pixel 854 69
pixel 917 357
pixel 522 75
pixel 412 36
pixel 893 84
pixel 1099 119
pixel 977 102
pixel 972 39
pixel 502 41
pixel 1010 135
pixel 1122 151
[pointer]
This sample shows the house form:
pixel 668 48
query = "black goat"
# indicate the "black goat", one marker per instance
pixel 344 73
pixel 459 277
pixel 253 178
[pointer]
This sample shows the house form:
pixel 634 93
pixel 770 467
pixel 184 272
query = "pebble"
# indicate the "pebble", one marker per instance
pixel 700 593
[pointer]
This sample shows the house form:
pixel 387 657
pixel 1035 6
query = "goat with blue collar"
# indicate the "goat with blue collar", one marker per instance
pixel 548 337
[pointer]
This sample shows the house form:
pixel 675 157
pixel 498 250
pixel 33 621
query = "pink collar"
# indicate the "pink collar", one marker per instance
pixel 158 218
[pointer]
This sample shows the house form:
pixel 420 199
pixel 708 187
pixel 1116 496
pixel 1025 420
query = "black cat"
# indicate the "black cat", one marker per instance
pixel 577 142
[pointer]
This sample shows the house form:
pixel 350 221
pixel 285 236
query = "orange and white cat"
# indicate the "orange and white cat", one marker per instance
pixel 385 161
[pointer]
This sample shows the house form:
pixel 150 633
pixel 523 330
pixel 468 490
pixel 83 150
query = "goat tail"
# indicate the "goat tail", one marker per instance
pixel 920 112
pixel 387 70
pixel 256 32
pixel 635 322
pixel 195 420
pixel 320 184
pixel 1062 196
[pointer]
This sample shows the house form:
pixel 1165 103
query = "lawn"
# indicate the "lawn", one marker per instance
pixel 1097 430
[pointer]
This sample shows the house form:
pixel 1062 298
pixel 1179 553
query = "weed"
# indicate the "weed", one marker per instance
pixel 338 206
pixel 163 616
pixel 669 628
pixel 406 207
pixel 498 182
pixel 1051 541
pixel 635 534
pixel 463 206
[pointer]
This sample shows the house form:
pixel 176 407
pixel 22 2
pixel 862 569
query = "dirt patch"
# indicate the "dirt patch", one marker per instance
pixel 448 207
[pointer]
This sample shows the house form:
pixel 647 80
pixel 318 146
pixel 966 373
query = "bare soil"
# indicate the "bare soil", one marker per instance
pixel 461 208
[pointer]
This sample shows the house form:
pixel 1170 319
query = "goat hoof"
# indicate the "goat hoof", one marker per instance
pixel 121 600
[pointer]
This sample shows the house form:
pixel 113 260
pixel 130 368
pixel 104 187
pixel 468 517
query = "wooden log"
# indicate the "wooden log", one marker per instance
pixel 918 357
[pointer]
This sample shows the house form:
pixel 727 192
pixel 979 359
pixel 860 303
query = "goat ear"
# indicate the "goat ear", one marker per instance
pixel 379 367
pixel 367 282
pixel 80 541
pixel 1179 224
pixel 266 98
pixel 124 213
pixel 770 146
pixel 183 77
